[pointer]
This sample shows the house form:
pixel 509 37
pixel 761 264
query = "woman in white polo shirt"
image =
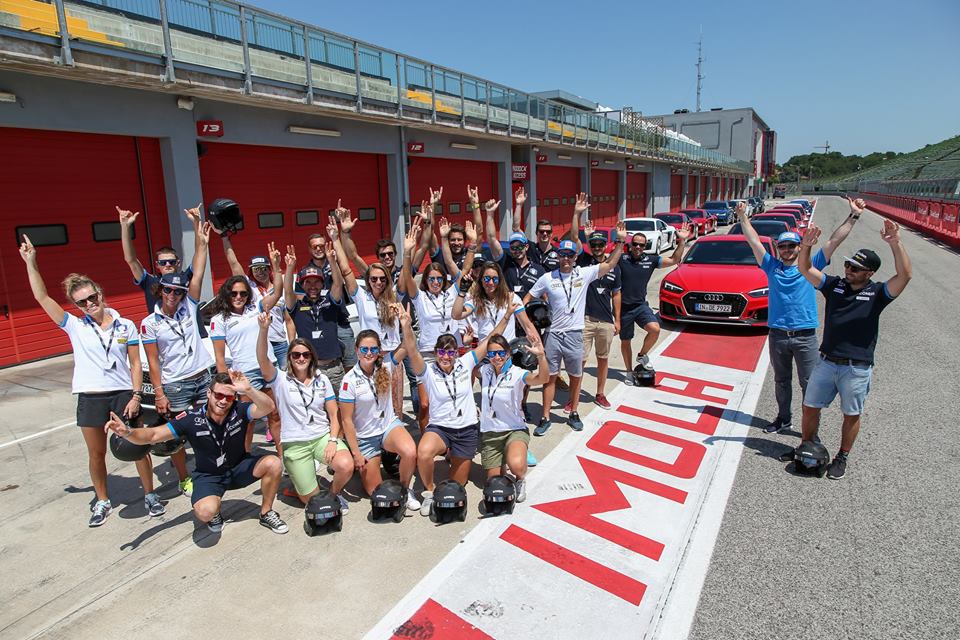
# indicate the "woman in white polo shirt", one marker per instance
pixel 309 427
pixel 482 304
pixel 453 411
pixel 107 376
pixel 369 421
pixel 504 436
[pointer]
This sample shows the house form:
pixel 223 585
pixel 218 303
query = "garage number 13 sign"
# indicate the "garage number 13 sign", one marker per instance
pixel 210 128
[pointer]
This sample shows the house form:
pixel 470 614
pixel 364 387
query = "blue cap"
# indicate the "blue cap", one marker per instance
pixel 789 236
pixel 176 280
pixel 568 245
pixel 518 237
pixel 259 261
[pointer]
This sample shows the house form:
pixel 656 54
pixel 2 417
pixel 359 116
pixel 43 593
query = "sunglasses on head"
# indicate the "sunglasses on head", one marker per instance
pixel 171 291
pixel 377 278
pixel 852 267
pixel 447 352
pixel 500 353
pixel 493 279
pixel 388 254
pixel 90 299
pixel 239 294
pixel 369 350
pixel 222 396
pixel 168 262
pixel 300 355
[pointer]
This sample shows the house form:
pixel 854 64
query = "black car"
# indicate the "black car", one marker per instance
pixel 779 193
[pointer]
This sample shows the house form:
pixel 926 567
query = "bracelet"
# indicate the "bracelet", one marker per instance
pixel 855 216
pixel 461 294
pixel 475 206
pixel 333 441
pixel 137 394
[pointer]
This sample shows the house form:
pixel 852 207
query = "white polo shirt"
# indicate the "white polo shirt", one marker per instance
pixel 100 361
pixel 240 331
pixel 566 295
pixel 302 407
pixel 372 414
pixel 370 319
pixel 435 314
pixel 178 341
pixel 278 329
pixel 451 396
pixel 484 325
pixel 501 398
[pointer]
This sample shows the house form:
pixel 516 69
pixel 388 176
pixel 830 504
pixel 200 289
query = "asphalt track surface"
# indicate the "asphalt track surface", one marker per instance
pixel 874 555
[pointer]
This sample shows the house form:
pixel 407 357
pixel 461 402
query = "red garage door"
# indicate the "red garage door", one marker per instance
pixel 691 191
pixel 557 189
pixel 704 190
pixel 453 176
pixel 715 192
pixel 61 189
pixel 636 194
pixel 603 197
pixel 287 194
pixel 676 193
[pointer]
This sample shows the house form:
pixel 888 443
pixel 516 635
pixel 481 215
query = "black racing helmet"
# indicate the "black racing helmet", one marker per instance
pixel 644 376
pixel 449 502
pixel 388 501
pixel 539 313
pixel 811 458
pixel 126 451
pixel 323 514
pixel 391 463
pixel 520 356
pixel 499 495
pixel 168 447
pixel 225 215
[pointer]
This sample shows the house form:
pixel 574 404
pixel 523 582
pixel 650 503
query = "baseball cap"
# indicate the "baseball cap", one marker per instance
pixel 259 261
pixel 597 235
pixel 789 236
pixel 567 245
pixel 177 280
pixel 518 237
pixel 309 271
pixel 865 259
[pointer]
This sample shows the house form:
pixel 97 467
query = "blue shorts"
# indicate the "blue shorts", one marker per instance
pixel 463 443
pixel 635 316
pixel 280 353
pixel 216 484
pixel 851 381
pixel 184 394
pixel 372 446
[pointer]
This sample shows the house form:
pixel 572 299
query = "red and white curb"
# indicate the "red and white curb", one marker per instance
pixel 620 521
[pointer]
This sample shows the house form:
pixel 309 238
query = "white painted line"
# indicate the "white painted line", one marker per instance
pixel 38 434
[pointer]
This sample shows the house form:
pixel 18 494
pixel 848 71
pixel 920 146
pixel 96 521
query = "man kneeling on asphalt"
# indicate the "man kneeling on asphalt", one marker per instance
pixel 217 431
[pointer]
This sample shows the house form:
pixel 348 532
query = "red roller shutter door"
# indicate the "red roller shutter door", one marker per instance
pixel 704 187
pixel 676 192
pixel 279 189
pixel 691 191
pixel 75 180
pixel 603 197
pixel 453 176
pixel 557 189
pixel 715 192
pixel 636 194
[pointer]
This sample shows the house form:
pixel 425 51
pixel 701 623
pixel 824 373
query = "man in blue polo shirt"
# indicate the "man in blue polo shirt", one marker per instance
pixel 792 315
pixel 851 324
pixel 602 318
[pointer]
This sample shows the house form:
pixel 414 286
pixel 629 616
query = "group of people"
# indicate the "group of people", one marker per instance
pixel 333 398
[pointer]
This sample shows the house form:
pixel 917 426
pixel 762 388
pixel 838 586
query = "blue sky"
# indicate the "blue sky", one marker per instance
pixel 879 76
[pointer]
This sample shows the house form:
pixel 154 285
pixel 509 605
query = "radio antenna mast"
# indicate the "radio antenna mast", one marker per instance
pixel 700 75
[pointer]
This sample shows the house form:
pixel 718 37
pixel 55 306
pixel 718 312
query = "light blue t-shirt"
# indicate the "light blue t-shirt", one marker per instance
pixel 792 300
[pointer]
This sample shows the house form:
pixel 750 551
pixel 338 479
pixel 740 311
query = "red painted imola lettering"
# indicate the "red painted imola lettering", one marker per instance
pixel 705 424
pixel 580 511
pixel 692 388
pixel 685 466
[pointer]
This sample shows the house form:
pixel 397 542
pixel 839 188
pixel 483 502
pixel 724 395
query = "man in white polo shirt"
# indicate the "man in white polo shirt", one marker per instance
pixel 565 290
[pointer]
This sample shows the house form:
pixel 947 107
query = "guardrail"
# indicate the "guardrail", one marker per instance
pixel 237 40
pixel 937 218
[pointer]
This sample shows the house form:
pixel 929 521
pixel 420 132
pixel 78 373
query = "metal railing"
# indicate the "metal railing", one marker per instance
pixel 233 38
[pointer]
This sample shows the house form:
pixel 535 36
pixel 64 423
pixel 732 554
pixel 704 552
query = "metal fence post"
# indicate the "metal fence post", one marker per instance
pixel 463 106
pixel 309 63
pixel 356 73
pixel 167 41
pixel 528 116
pixel 399 95
pixel 506 92
pixel 66 54
pixel 487 125
pixel 433 94
pixel 244 44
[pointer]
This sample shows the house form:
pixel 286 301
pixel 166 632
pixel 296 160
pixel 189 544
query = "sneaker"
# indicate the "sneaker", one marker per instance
pixel 100 509
pixel 521 489
pixel 787 456
pixel 271 520
pixel 412 503
pixel 154 507
pixel 526 415
pixel 186 486
pixel 542 427
pixel 531 459
pixel 837 468
pixel 778 425
pixel 344 505
pixel 601 401
pixel 629 379
pixel 562 383
pixel 216 523
pixel 644 361
pixel 269 437
pixel 575 422
pixel 427 498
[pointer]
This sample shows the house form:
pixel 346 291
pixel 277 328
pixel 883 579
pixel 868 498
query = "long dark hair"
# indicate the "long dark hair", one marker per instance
pixel 381 377
pixel 221 304
pixel 434 266
pixel 501 295
pixel 311 365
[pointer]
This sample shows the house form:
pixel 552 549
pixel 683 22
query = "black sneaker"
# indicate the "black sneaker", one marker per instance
pixel 837 468
pixel 101 509
pixel 271 520
pixel 154 507
pixel 778 425
pixel 216 523
pixel 542 427
pixel 787 456
pixel 575 422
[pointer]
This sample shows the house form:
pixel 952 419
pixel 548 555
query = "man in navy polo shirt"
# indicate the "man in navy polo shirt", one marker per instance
pixel 792 304
pixel 217 432
pixel 602 319
pixel 851 324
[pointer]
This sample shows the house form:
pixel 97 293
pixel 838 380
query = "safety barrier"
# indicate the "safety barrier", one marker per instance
pixel 936 218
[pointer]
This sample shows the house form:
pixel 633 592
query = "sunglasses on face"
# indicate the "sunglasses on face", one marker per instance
pixel 852 267
pixel 544 230
pixel 222 396
pixel 168 262
pixel 388 254
pixel 260 268
pixel 500 353
pixel 567 255
pixel 369 350
pixel 434 278
pixel 447 352
pixel 597 245
pixel 377 278
pixel 170 291
pixel 493 279
pixel 93 298
pixel 300 355
pixel 517 248
pixel 787 246
pixel 638 245
pixel 239 294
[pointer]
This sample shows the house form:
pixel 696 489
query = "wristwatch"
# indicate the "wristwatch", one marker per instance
pixel 334 441
pixel 475 206
pixel 855 216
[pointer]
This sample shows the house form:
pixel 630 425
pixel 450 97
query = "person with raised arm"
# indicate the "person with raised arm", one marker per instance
pixel 580 207
pixel 317 246
pixel 216 430
pixel 483 302
pixel 107 376
pixel 453 421
pixel 496 250
pixel 792 315
pixel 851 326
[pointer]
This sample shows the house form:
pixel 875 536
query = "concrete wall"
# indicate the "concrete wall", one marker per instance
pixel 729 131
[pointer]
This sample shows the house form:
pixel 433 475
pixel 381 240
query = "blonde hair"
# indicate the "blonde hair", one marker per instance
pixel 381 377
pixel 387 298
pixel 76 281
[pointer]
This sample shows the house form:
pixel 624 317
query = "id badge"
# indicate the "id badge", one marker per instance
pixel 316 335
pixel 221 460
pixel 518 288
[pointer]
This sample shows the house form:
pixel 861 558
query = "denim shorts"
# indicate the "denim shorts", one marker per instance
pixel 280 353
pixel 256 378
pixel 184 394
pixel 372 446
pixel 565 348
pixel 851 381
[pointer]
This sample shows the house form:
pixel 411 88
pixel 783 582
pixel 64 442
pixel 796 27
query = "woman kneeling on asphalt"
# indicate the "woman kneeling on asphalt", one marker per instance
pixel 309 428
pixel 504 436
pixel 106 374
pixel 369 421
pixel 453 422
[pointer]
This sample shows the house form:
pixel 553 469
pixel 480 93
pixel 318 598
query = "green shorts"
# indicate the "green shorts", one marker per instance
pixel 494 445
pixel 298 459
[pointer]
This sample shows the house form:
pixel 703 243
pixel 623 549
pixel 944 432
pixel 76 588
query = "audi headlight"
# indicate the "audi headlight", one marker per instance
pixel 762 292
pixel 669 286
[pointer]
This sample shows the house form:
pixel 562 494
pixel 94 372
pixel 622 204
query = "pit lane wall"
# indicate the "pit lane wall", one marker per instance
pixel 936 218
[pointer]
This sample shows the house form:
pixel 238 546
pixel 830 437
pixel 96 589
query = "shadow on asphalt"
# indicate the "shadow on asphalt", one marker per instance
pixel 761 447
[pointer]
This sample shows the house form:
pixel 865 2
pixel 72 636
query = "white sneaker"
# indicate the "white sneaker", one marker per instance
pixel 344 505
pixel 427 497
pixel 521 489
pixel 412 503
pixel 316 465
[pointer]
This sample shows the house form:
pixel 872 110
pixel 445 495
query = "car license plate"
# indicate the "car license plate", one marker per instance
pixel 713 308
pixel 147 389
